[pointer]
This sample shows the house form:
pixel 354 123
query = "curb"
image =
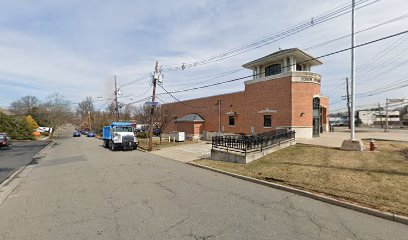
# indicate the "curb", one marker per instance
pixel 352 206
pixel 8 186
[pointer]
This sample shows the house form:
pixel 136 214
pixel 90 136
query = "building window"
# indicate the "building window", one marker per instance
pixel 231 120
pixel 273 69
pixel 267 121
pixel 298 67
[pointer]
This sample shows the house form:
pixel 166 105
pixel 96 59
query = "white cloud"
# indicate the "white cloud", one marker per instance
pixel 75 47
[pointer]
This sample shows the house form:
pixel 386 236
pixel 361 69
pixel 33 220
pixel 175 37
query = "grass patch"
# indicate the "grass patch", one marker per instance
pixel 374 179
pixel 144 143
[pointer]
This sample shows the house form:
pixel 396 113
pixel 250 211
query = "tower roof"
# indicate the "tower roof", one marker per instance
pixel 302 57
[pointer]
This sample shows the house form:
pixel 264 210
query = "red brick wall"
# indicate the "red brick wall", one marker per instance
pixel 207 108
pixel 302 101
pixel 186 127
pixel 274 95
pixel 288 98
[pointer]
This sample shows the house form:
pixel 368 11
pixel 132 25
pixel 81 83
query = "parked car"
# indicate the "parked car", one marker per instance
pixel 76 134
pixel 156 132
pixel 90 134
pixel 5 140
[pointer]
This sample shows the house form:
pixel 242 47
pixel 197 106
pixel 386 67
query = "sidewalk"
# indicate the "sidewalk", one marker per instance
pixel 335 139
pixel 187 152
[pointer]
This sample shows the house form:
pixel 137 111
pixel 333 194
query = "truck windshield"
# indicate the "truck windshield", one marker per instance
pixel 123 129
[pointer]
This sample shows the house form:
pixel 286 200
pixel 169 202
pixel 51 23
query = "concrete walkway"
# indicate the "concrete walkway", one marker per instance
pixel 186 152
pixel 334 139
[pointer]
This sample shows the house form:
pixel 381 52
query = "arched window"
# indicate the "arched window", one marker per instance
pixel 273 69
pixel 298 67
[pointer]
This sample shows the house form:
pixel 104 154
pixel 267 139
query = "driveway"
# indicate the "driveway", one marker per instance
pixel 186 152
pixel 19 155
pixel 82 191
pixel 335 139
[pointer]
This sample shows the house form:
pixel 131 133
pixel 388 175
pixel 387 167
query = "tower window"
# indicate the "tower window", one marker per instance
pixel 273 69
pixel 231 120
pixel 267 121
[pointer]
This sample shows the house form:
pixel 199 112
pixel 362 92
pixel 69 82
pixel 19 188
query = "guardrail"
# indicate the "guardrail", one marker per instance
pixel 248 144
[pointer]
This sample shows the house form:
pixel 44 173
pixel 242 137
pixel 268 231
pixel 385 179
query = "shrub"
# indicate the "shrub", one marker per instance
pixel 142 135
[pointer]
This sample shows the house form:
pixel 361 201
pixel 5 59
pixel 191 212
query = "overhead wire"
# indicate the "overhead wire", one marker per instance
pixel 280 35
pixel 305 61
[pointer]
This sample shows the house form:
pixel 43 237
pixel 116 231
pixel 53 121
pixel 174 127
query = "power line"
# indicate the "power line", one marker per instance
pixel 311 59
pixel 363 30
pixel 280 35
pixel 179 100
pixel 321 44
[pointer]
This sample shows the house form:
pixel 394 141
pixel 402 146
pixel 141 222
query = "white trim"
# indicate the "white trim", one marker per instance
pixel 267 110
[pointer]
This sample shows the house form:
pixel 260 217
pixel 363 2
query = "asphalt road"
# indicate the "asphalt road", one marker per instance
pixel 83 191
pixel 19 155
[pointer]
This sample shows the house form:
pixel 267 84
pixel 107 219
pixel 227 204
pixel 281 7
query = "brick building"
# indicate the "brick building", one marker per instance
pixel 283 93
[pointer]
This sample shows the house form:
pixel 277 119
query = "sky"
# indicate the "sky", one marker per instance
pixel 75 48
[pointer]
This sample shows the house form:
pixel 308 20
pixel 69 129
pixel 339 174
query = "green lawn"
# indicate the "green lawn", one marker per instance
pixel 374 179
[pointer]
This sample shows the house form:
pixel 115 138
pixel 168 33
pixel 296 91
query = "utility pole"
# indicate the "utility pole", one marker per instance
pixel 155 78
pixel 386 115
pixel 116 101
pixel 219 115
pixel 89 119
pixel 353 74
pixel 348 103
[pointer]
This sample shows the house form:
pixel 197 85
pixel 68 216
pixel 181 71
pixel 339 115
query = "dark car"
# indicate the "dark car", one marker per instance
pixel 156 131
pixel 5 140
pixel 90 134
pixel 76 134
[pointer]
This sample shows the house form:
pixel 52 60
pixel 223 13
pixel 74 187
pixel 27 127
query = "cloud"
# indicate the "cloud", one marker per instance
pixel 75 47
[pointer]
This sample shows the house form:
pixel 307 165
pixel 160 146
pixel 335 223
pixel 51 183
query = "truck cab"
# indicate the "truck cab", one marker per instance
pixel 119 135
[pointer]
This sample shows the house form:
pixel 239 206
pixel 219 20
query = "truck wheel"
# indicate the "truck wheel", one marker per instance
pixel 111 146
pixel 105 145
pixel 134 146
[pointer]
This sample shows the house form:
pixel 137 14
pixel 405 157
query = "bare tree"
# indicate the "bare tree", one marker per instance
pixel 24 105
pixel 128 112
pixel 57 110
pixel 86 106
pixel 142 114
pixel 164 116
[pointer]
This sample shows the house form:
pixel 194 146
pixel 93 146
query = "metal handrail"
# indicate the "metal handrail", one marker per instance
pixel 258 142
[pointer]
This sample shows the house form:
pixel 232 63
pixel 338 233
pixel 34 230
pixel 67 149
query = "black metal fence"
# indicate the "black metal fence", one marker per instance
pixel 248 144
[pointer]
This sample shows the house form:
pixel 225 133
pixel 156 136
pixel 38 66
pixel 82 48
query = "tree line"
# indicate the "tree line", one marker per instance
pixel 28 113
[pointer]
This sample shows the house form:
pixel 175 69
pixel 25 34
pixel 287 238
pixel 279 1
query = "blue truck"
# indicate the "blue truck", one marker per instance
pixel 119 135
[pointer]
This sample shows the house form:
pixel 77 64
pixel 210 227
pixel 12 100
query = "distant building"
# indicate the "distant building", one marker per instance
pixel 405 119
pixel 339 120
pixel 378 117
pixel 283 94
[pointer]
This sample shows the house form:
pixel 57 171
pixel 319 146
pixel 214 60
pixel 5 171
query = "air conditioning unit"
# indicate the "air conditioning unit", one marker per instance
pixel 178 136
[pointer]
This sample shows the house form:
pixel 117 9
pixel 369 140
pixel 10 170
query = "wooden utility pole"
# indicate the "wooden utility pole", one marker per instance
pixel 116 101
pixel 155 78
pixel 89 119
pixel 348 103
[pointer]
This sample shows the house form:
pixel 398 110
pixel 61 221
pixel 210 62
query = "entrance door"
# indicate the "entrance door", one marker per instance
pixel 316 117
